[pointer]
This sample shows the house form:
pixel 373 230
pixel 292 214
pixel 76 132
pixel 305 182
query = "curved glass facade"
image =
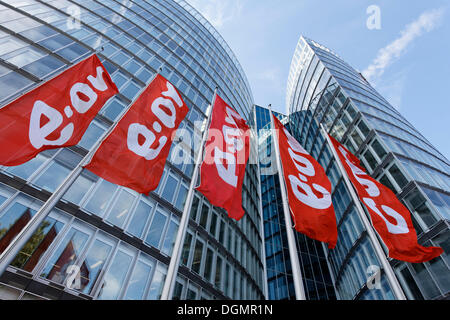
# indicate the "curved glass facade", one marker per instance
pixel 322 88
pixel 121 241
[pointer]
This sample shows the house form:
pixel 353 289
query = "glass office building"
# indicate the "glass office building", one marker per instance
pixel 315 272
pixel 121 241
pixel 324 89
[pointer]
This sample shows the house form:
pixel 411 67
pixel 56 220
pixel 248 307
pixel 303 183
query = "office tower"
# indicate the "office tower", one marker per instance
pixel 324 89
pixel 316 274
pixel 118 241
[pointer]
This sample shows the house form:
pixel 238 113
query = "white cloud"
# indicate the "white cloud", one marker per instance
pixel 393 88
pixel 270 77
pixel 218 12
pixel 387 55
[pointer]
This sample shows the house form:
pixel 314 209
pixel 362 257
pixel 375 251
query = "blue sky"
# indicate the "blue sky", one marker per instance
pixel 407 59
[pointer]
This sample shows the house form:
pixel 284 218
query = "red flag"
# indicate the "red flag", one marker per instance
pixel 308 188
pixel 135 152
pixel 226 154
pixel 55 114
pixel 390 218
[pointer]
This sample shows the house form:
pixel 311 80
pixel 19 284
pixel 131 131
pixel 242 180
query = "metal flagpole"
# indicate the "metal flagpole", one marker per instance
pixel 395 285
pixel 13 249
pixel 263 248
pixel 293 253
pixel 169 283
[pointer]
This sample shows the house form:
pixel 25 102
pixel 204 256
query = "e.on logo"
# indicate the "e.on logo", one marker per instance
pixel 373 191
pixel 82 98
pixel 166 113
pixel 305 170
pixel 234 143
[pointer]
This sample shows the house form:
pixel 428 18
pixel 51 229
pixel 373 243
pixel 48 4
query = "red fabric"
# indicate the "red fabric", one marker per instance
pixel 55 114
pixel 135 152
pixel 308 189
pixel 390 218
pixel 226 154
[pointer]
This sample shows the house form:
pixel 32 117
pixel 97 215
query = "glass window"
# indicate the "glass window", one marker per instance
pixel 113 109
pixel 157 283
pixel 379 150
pixel 144 75
pixel 424 280
pixel 181 197
pixel 169 188
pixel 132 66
pixel 72 52
pixel 440 272
pixel 44 66
pixel 79 188
pixel 140 218
pixel 24 56
pixel 186 249
pixel 208 264
pixel 52 177
pixel 101 197
pixel 363 127
pixel 11 83
pixel 13 219
pixel 131 90
pixel 177 291
pixel 212 226
pixel 139 279
pixel 119 79
pixel 218 276
pixel 204 215
pixel 191 293
pixel 2 199
pixel 39 242
pixel 419 205
pixel 156 229
pixel 194 207
pixel 25 170
pixel 121 208
pixel 198 253
pixel 222 231
pixel 56 42
pixel 92 134
pixel 411 284
pixel 39 33
pixel 356 137
pixel 94 263
pixel 398 176
pixel 121 58
pixel 385 181
pixel 169 239
pixel 370 159
pixel 115 276
pixel 67 253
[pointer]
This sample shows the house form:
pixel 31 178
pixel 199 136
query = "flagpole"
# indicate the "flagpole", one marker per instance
pixel 13 249
pixel 263 248
pixel 293 253
pixel 169 283
pixel 393 281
